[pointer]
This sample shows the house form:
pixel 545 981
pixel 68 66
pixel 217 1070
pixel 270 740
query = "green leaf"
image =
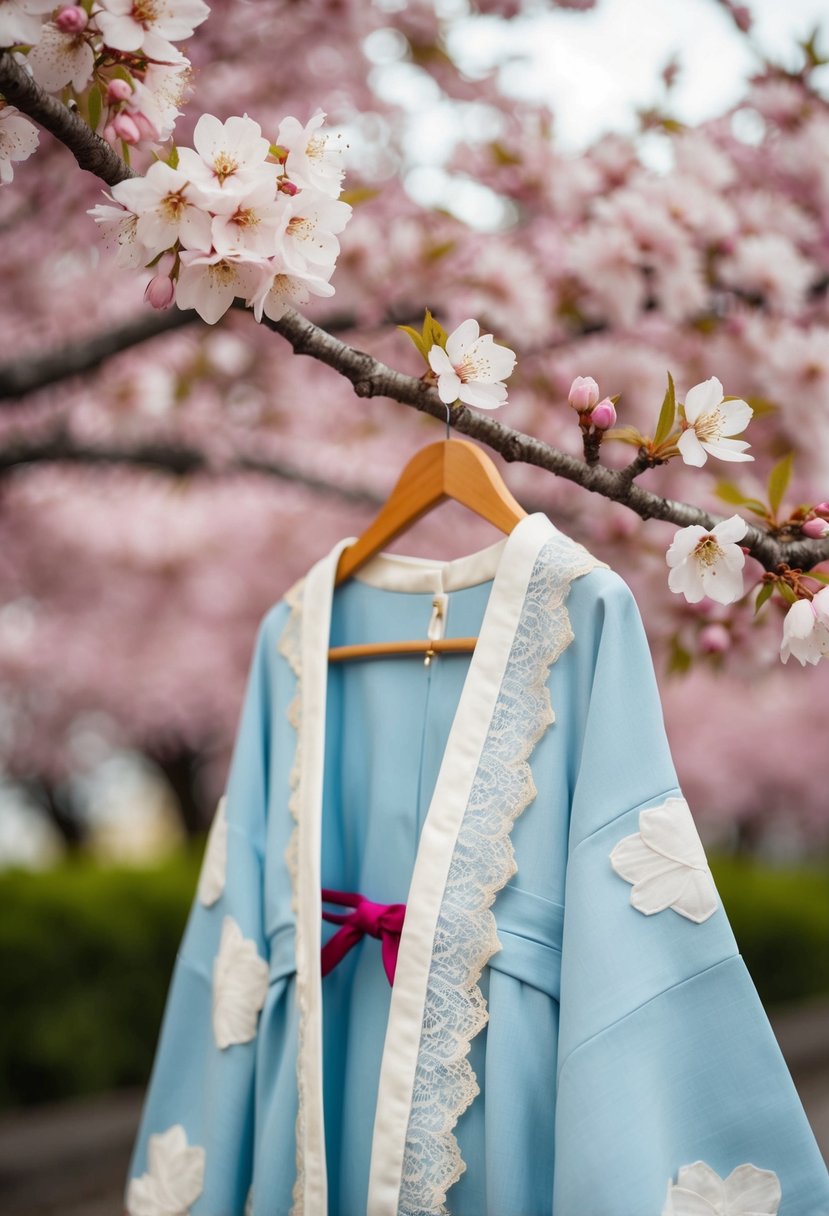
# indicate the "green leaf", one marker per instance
pixel 95 104
pixel 728 492
pixel 417 339
pixel 359 194
pixel 817 574
pixel 779 479
pixel 763 594
pixel 172 159
pixel 433 332
pixel 787 593
pixel 679 659
pixel 667 414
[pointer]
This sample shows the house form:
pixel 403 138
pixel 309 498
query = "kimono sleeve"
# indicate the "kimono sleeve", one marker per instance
pixel 672 1094
pixel 194 1148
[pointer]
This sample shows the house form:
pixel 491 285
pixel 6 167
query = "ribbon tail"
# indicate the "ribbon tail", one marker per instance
pixel 338 947
pixel 389 945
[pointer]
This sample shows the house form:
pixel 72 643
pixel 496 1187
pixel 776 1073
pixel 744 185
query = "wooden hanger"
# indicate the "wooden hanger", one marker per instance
pixel 449 469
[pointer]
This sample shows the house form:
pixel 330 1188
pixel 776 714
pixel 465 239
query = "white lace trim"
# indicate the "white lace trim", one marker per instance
pixel 290 647
pixel 483 862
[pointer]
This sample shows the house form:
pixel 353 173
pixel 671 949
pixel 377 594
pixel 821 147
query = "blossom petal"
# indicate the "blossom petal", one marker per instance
pixel 726 449
pixel 440 362
pixel 702 398
pixel 457 342
pixel 730 530
pixel 685 580
pixel 666 864
pixel 690 448
pixel 684 543
pixel 736 415
pixel 449 387
pixel 483 396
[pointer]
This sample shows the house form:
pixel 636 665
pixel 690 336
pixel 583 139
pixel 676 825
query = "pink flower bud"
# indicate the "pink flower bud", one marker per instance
pixel 714 639
pixel 118 90
pixel 822 508
pixel 160 291
pixel 110 134
pixel 604 415
pixel 816 529
pixel 126 129
pixel 584 393
pixel 742 17
pixel 145 127
pixel 72 19
pixel 288 187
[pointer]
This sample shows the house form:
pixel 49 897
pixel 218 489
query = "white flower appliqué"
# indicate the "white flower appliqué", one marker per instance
pixel 472 367
pixel 666 864
pixel 709 419
pixel 240 984
pixel 708 563
pixel 700 1191
pixel 174 1179
pixel 214 866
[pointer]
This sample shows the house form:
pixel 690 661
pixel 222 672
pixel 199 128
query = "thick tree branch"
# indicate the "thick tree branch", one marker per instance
pixel 33 372
pixel 370 378
pixel 90 151
pixel 178 460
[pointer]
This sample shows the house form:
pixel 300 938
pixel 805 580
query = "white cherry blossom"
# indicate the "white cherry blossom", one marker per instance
pixel 229 157
pixel 210 282
pixel 806 630
pixel 174 1179
pixel 60 59
pixel 214 865
pixel 169 208
pixel 472 367
pixel 314 158
pixel 240 984
pixel 283 291
pixel 311 223
pixel 120 232
pixel 666 864
pixel 708 563
pixel 20 21
pixel 700 1191
pixel 18 140
pixel 709 419
pixel 252 222
pixel 149 26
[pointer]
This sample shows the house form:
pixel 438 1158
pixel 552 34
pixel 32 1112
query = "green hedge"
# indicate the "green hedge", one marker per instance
pixel 86 954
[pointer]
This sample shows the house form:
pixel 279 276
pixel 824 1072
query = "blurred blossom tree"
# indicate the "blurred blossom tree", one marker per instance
pixel 164 479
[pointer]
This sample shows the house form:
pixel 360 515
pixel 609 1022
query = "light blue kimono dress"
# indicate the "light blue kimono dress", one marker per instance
pixel 571 1030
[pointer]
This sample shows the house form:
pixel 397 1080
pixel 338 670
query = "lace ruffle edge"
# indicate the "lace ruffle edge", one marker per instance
pixel 290 647
pixel 483 863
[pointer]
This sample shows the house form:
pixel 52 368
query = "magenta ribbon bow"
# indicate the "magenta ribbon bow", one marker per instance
pixel 384 921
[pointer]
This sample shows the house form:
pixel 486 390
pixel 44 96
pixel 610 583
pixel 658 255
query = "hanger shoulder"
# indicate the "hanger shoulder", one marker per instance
pixel 450 468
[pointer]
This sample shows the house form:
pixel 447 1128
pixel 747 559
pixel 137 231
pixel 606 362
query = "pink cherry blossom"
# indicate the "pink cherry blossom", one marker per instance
pixel 603 416
pixel 229 157
pixel 281 291
pixel 209 282
pixel 584 394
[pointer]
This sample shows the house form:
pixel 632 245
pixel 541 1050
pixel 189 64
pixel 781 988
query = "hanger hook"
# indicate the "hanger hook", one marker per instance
pixel 448 419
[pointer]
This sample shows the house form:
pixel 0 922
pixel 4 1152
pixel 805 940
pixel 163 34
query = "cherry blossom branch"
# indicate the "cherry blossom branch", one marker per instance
pixel 371 378
pixel 174 459
pixel 90 151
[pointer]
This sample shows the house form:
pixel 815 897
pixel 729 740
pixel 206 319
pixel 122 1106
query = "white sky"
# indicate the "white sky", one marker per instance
pixel 598 67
